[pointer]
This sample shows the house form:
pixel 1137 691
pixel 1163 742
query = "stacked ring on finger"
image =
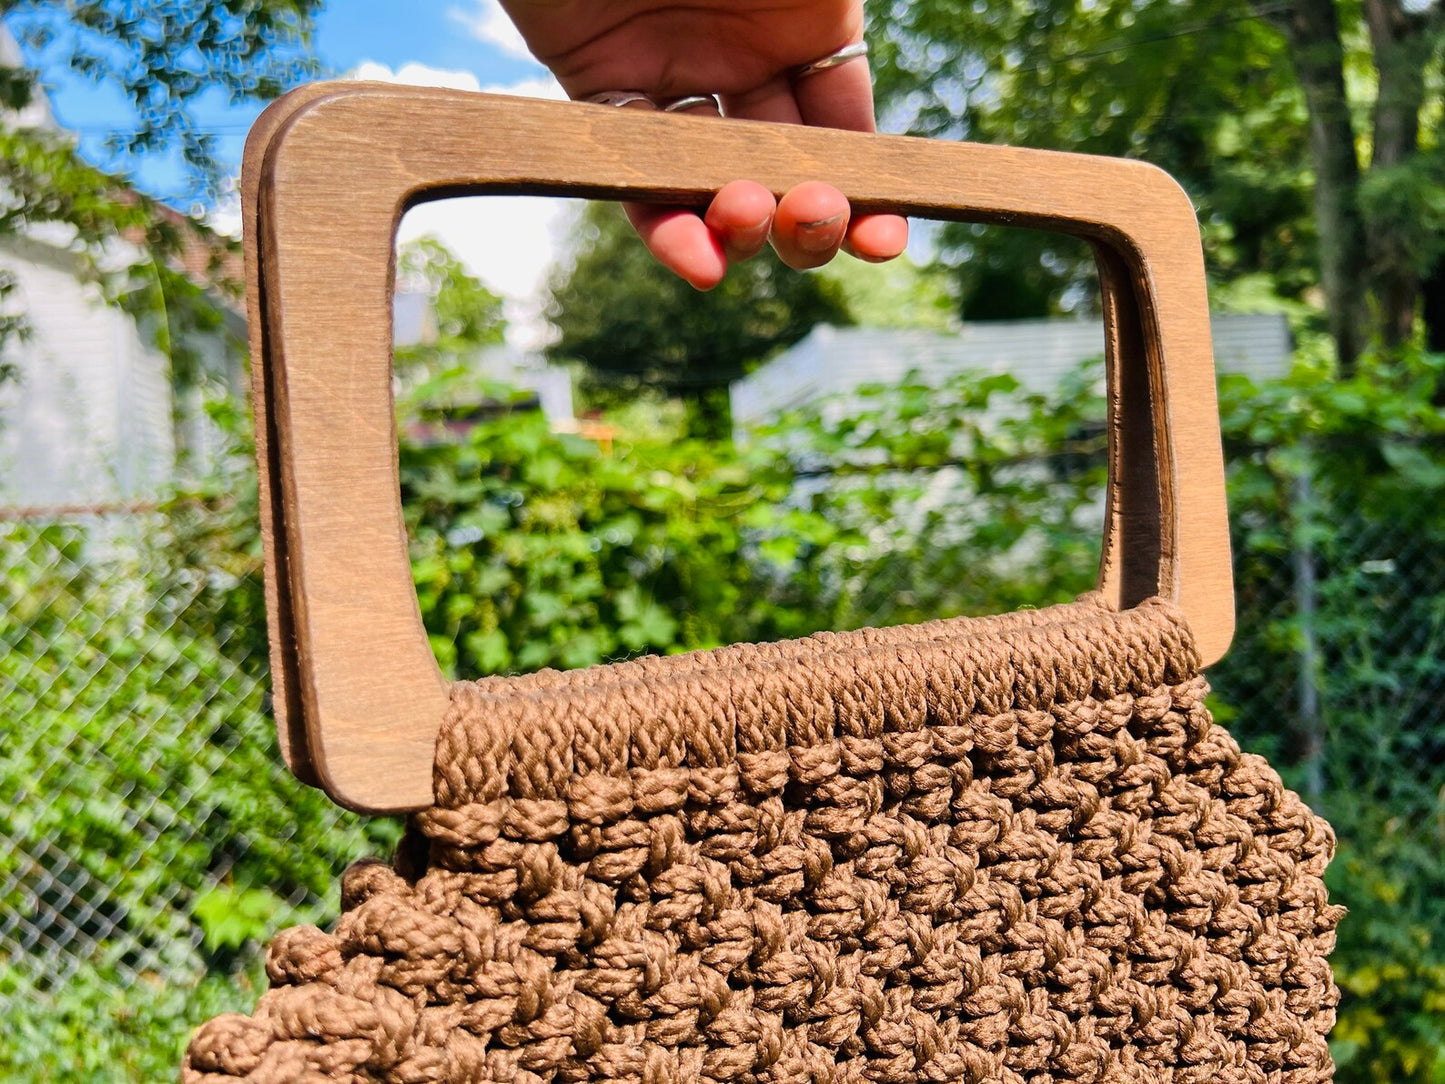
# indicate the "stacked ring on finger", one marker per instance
pixel 692 101
pixel 854 51
pixel 618 98
pixel 622 98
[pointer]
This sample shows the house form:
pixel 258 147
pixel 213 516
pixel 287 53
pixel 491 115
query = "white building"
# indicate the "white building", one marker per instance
pixel 546 387
pixel 832 362
pixel 90 416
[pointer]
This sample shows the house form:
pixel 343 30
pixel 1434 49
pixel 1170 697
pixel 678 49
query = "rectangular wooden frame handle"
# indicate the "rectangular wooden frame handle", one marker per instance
pixel 331 169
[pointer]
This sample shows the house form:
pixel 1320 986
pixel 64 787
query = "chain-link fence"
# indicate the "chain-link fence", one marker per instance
pixel 150 838
pixel 1338 666
pixel 137 777
pixel 101 678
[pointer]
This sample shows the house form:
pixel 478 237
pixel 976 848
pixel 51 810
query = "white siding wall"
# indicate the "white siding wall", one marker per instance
pixel 88 418
pixel 519 369
pixel 834 361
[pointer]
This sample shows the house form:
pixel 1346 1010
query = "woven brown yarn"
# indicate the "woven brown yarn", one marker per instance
pixel 1011 849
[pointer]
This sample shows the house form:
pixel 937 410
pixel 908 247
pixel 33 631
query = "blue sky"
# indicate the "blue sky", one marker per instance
pixel 432 32
pixel 450 35
pixel 509 242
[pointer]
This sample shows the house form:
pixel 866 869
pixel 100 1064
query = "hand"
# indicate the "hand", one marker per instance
pixel 742 51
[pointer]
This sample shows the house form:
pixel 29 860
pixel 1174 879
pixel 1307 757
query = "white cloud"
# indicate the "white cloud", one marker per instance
pixel 488 23
pixel 509 242
pixel 423 75
pixel 225 216
pixel 541 86
pixel 416 75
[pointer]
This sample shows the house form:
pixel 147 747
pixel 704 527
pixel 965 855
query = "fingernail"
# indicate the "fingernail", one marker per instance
pixel 818 236
pixel 749 236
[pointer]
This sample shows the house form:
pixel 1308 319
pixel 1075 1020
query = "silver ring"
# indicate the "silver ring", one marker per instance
pixel 832 60
pixel 619 98
pixel 627 97
pixel 692 100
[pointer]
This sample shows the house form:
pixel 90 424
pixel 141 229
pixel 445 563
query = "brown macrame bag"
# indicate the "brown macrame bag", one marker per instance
pixel 998 849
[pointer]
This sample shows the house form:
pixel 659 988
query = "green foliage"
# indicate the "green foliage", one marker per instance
pixel 1204 90
pixel 1390 965
pixel 536 549
pixel 943 495
pixel 163 56
pixel 533 548
pixel 1335 493
pixel 152 837
pixel 1404 208
pixel 631 323
pixel 103 1026
pixel 229 917
pixel 466 315
pixel 148 680
pixel 1014 274
pixel 47 185
pixel 898 294
pixel 1298 131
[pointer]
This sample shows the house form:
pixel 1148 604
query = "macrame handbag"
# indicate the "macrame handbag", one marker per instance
pixel 999 849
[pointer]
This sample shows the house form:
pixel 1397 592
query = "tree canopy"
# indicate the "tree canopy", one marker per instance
pixel 467 316
pixel 1306 132
pixel 633 324
pixel 164 57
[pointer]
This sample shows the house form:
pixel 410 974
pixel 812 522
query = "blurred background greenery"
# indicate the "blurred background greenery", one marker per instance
pixel 151 843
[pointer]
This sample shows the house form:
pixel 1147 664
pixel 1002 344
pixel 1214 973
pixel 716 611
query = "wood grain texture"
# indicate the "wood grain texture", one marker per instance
pixel 284 679
pixel 341 164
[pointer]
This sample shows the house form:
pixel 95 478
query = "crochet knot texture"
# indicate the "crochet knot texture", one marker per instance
pixel 1002 849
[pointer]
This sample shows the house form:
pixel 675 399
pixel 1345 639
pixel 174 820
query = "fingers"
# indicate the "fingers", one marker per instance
pixel 842 97
pixel 681 242
pixel 877 238
pixel 810 225
pixel 741 216
pixel 695 251
pixel 812 219
pixel 736 227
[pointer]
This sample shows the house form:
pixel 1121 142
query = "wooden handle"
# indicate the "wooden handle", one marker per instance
pixel 330 172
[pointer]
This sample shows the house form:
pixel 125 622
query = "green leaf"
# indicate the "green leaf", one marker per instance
pixel 230 916
pixel 1418 469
